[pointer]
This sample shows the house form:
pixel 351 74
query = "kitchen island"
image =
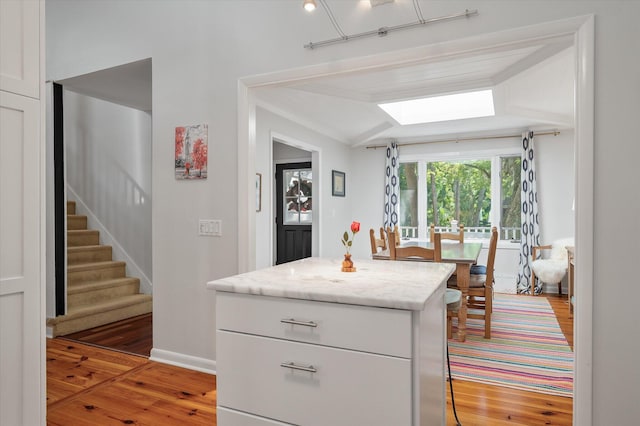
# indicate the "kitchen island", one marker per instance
pixel 303 343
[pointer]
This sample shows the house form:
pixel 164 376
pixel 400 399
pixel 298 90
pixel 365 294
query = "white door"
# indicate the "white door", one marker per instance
pixel 22 343
pixel 21 320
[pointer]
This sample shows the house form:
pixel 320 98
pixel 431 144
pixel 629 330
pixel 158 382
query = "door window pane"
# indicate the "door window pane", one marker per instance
pixel 298 188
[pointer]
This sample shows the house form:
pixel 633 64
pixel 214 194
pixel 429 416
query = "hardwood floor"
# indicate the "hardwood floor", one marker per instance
pixel 133 335
pixel 88 385
pixel 480 405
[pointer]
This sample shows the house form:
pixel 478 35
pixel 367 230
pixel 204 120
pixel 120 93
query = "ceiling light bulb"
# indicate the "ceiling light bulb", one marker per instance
pixel 309 5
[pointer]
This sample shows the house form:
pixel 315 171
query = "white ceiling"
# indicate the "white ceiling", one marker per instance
pixel 533 86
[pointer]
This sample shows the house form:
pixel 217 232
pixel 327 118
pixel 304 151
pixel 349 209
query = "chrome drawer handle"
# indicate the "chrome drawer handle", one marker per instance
pixel 294 366
pixel 296 322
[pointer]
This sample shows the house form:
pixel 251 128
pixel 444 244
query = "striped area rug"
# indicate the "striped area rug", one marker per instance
pixel 527 349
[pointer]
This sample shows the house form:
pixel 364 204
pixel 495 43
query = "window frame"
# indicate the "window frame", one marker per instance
pixel 494 155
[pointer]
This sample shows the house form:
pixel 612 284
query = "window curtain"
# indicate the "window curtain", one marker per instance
pixel 391 187
pixel 529 216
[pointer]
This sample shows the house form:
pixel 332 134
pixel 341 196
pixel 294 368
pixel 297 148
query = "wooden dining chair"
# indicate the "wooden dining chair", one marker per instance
pixel 377 243
pixel 455 236
pixel 480 294
pixel 402 253
pixel 396 231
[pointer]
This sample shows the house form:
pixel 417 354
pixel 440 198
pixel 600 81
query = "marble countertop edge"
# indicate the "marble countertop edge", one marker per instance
pixel 386 284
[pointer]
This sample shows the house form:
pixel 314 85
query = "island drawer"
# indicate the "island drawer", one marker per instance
pixel 311 385
pixel 363 328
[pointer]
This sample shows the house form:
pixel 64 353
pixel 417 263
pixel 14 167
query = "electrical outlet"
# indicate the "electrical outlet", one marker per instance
pixel 210 227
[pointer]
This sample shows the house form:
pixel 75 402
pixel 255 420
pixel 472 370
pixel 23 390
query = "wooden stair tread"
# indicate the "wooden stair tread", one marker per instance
pixel 94 265
pixel 109 305
pixel 82 231
pixel 96 247
pixel 85 286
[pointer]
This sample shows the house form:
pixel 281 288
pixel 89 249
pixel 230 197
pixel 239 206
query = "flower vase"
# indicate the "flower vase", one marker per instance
pixel 347 264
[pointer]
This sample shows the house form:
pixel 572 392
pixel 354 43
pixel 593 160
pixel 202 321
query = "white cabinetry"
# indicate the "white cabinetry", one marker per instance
pixel 20 47
pixel 305 344
pixel 289 361
pixel 22 340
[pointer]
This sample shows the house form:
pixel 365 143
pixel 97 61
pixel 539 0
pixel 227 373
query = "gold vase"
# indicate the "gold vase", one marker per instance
pixel 347 264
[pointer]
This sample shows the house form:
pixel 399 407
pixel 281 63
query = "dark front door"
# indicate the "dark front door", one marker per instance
pixel 294 184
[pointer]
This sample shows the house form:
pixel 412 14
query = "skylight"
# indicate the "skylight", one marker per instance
pixel 441 108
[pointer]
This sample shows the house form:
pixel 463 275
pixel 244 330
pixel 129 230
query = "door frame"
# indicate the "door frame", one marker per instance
pixel 582 28
pixel 60 207
pixel 316 159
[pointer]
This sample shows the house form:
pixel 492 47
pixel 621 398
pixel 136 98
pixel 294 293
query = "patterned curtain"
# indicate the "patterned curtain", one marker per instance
pixel 529 215
pixel 391 187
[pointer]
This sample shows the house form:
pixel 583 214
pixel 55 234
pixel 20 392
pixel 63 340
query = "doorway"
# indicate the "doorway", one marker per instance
pixel 293 211
pixel 582 31
pixel 107 218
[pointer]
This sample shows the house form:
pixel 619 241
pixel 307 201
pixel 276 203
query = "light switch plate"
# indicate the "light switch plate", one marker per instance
pixel 210 227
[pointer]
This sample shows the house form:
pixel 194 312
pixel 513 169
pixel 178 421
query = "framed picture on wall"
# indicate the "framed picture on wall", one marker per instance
pixel 337 183
pixel 191 143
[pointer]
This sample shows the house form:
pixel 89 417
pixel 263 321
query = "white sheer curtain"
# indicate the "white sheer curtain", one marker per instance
pixel 391 187
pixel 529 214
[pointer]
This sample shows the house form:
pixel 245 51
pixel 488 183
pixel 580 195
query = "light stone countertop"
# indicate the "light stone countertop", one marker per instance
pixel 387 284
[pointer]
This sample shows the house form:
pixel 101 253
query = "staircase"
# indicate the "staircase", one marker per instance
pixel 98 291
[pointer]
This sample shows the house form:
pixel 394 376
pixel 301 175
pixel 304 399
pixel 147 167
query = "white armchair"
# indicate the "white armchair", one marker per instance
pixel 553 268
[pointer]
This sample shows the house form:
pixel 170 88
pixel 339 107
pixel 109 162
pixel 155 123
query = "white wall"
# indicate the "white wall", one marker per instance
pixel 195 73
pixel 335 211
pixel 108 166
pixel 555 184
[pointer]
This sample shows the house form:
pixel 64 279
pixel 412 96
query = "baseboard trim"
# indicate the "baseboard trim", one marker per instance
pixel 181 360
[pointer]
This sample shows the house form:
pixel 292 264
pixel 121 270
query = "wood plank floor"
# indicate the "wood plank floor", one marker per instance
pixel 133 335
pixel 88 385
pixel 480 405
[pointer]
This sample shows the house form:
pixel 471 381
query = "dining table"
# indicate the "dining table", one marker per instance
pixel 464 255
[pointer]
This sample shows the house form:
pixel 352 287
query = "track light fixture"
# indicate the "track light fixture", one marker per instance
pixel 309 5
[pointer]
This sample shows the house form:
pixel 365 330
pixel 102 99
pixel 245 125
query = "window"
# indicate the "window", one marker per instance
pixel 510 205
pixel 478 193
pixel 297 196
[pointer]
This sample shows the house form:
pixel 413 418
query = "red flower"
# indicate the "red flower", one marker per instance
pixel 355 228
